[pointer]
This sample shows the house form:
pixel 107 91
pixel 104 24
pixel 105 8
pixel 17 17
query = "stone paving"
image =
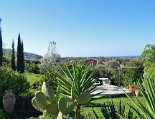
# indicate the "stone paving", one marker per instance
pixel 110 90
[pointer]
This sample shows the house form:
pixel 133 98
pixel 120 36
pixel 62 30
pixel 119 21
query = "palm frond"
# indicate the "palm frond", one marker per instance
pixel 145 110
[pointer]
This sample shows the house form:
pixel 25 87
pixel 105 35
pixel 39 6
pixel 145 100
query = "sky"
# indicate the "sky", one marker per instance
pixel 80 28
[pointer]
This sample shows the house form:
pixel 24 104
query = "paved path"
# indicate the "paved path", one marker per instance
pixel 110 90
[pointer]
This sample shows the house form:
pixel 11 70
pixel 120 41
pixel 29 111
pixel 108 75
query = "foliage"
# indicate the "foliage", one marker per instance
pixel 135 63
pixel 110 73
pixel 79 77
pixel 32 67
pixel 50 65
pixel 77 82
pixel 132 76
pixel 111 111
pixel 12 80
pixel 51 79
pixel 114 64
pixel 1 44
pixel 147 110
pixel 50 59
pixel 101 71
pixel 20 56
pixel 114 75
pixel 148 54
pixel 133 71
pixel 13 65
pixel 3 114
pixel 129 77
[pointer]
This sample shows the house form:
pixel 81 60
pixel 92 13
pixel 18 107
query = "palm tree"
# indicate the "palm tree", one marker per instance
pixel 78 83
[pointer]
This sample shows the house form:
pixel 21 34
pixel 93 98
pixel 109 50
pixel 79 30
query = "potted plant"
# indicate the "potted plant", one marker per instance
pixel 131 87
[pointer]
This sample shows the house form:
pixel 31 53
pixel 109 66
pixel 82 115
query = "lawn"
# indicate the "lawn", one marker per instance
pixel 89 110
pixel 32 78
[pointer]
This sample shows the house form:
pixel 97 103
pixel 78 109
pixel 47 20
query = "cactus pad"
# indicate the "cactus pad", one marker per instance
pixel 41 100
pixel 84 98
pixel 63 104
pixel 47 90
pixel 52 109
pixel 35 105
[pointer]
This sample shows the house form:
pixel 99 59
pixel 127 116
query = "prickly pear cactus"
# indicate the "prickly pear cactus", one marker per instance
pixel 49 103
pixel 48 91
pixel 65 106
pixel 84 98
pixel 35 105
pixel 41 99
pixel 44 100
pixel 52 108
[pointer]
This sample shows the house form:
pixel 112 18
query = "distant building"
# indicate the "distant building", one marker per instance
pixel 93 62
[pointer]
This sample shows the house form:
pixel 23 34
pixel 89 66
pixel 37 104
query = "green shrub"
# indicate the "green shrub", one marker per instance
pixel 3 115
pixel 12 80
pixel 51 79
pixel 33 68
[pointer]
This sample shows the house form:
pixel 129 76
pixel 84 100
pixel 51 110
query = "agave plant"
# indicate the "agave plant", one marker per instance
pixel 112 111
pixel 77 81
pixel 145 110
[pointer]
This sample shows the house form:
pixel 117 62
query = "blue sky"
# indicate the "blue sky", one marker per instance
pixel 80 27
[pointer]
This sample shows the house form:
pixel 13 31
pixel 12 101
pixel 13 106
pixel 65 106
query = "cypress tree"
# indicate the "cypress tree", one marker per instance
pixel 19 54
pixel 13 66
pixel 22 58
pixel 1 45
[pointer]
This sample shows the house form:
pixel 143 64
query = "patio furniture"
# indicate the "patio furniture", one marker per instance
pixel 105 81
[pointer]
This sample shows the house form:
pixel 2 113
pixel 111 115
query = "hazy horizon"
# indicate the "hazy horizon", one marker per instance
pixel 80 28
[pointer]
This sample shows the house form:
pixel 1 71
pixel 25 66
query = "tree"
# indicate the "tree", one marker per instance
pixel 1 44
pixel 50 65
pixel 148 56
pixel 113 67
pixel 78 83
pixel 133 71
pixel 13 66
pixel 20 56
pixel 51 59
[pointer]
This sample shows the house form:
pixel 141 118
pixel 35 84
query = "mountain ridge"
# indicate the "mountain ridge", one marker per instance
pixel 28 55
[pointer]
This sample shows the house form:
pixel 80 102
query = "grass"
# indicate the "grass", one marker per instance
pixel 88 111
pixel 32 78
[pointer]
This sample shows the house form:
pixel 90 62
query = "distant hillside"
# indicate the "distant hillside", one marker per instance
pixel 28 55
pixel 32 56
